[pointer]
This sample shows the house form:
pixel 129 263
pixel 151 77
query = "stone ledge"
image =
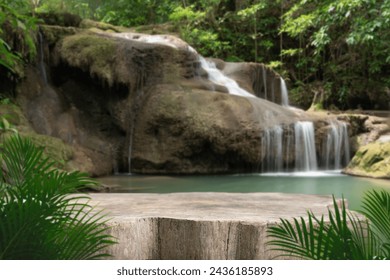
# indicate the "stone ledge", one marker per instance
pixel 200 225
pixel 371 160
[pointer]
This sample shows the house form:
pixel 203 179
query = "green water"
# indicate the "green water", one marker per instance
pixel 322 183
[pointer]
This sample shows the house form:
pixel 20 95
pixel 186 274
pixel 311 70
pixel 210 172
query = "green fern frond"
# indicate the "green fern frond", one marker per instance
pixel 40 216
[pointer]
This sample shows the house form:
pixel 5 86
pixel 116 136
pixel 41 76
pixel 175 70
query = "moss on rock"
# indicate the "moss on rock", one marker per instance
pixel 52 33
pixel 60 19
pixel 87 23
pixel 372 160
pixel 54 148
pixel 92 53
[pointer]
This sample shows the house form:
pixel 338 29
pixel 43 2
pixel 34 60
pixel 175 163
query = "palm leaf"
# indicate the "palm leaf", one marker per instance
pixel 344 236
pixel 376 207
pixel 299 239
pixel 39 217
pixel 365 241
pixel 22 160
pixel 338 231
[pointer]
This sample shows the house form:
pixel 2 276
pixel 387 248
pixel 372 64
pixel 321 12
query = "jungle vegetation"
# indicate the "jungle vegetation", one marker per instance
pixel 337 48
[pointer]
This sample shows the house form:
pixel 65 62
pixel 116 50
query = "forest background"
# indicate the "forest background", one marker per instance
pixel 335 51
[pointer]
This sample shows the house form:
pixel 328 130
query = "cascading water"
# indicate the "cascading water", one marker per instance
pixel 265 83
pixel 305 148
pixel 284 93
pixel 213 73
pixel 217 77
pixel 300 142
pixel 272 150
pixel 336 146
pixel 42 67
pixel 277 145
pixel 156 39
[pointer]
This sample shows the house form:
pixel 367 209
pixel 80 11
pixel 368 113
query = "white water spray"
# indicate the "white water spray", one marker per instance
pixel 217 77
pixel 336 146
pixel 213 73
pixel 272 149
pixel 284 93
pixel 305 150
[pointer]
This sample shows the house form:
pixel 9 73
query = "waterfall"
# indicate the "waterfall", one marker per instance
pixel 279 148
pixel 336 146
pixel 265 83
pixel 288 148
pixel 277 144
pixel 213 73
pixel 284 93
pixel 272 149
pixel 42 67
pixel 265 148
pixel 217 77
pixel 305 149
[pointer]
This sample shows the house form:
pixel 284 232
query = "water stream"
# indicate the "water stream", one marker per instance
pixel 42 67
pixel 272 150
pixel 284 93
pixel 305 149
pixel 336 146
pixel 217 77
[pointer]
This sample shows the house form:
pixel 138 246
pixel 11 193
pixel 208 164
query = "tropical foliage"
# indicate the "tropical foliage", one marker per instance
pixel 339 48
pixel 15 23
pixel 346 236
pixel 343 43
pixel 39 218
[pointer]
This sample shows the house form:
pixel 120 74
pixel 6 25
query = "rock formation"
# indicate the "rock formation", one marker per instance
pixel 145 104
pixel 371 160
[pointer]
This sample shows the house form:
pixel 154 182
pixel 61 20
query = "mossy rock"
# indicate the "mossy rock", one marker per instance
pixel 372 160
pixel 87 24
pixel 52 33
pixel 92 53
pixel 60 19
pixel 165 28
pixel 54 148
pixel 16 118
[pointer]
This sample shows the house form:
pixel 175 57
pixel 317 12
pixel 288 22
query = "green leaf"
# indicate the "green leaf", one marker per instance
pixel 344 236
pixel 39 217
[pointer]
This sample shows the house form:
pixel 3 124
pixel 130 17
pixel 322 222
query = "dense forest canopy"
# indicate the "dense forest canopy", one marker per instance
pixel 338 49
